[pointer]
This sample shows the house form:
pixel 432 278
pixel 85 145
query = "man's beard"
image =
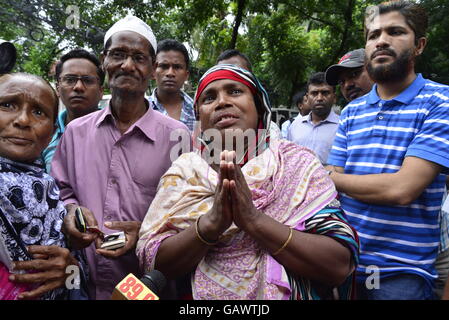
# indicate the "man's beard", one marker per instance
pixel 395 71
pixel 322 112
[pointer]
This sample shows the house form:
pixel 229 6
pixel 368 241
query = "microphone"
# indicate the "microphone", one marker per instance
pixel 146 288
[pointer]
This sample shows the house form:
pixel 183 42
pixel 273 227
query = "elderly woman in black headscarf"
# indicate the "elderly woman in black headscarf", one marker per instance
pixel 33 253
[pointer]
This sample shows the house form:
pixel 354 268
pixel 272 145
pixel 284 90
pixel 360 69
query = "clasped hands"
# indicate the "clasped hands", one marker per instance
pixel 232 203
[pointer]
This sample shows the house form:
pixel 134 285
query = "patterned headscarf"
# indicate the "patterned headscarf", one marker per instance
pixel 232 72
pixel 31 213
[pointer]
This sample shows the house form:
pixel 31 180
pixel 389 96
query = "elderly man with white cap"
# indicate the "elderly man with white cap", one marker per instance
pixel 109 162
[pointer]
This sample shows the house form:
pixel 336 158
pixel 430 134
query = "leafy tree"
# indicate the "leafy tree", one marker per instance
pixel 434 63
pixel 286 40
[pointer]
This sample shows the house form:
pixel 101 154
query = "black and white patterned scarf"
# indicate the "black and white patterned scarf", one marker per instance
pixel 30 213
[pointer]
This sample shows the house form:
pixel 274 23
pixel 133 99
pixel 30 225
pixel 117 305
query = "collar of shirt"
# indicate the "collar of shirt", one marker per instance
pixel 332 117
pixel 187 101
pixel 405 97
pixel 60 123
pixel 146 123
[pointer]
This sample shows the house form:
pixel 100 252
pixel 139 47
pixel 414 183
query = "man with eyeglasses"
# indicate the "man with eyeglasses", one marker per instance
pixel 351 75
pixel 316 130
pixel 79 84
pixel 109 163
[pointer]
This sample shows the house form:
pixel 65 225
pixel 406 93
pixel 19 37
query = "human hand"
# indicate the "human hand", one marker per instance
pixel 131 229
pixel 243 210
pixel 330 168
pixel 50 262
pixel 219 218
pixel 77 239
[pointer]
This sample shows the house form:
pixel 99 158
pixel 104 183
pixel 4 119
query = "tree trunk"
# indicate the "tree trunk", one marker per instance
pixel 238 20
pixel 348 23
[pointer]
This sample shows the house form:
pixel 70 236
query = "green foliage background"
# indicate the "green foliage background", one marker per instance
pixel 286 40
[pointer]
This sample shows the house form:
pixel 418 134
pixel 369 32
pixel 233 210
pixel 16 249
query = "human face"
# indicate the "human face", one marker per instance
pixel 127 75
pixel 321 98
pixel 354 83
pixel 391 48
pixel 237 61
pixel 171 71
pixel 304 107
pixel 226 105
pixel 26 118
pixel 79 99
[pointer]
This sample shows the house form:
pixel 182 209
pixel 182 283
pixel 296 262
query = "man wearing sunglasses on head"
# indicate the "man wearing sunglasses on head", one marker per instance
pixel 79 84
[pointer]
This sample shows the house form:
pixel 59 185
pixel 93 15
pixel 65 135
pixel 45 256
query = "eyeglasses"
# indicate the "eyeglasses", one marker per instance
pixel 119 56
pixel 72 80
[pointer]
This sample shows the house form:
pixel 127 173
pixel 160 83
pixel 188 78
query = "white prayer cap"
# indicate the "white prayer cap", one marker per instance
pixel 132 23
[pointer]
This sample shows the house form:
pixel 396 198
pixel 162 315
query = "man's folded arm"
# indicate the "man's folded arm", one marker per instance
pixel 399 188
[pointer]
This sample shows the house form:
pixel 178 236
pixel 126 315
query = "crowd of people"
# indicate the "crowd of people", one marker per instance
pixel 210 191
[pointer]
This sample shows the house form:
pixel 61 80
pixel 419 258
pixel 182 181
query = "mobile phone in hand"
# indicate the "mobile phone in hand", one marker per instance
pixel 80 222
pixel 114 241
pixel 82 226
pixel 95 230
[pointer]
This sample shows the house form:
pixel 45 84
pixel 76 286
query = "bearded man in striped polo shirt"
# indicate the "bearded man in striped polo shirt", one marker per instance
pixel 389 156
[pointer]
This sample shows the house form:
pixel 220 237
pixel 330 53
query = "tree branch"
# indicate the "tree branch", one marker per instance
pixel 311 17
pixel 238 20
pixel 345 34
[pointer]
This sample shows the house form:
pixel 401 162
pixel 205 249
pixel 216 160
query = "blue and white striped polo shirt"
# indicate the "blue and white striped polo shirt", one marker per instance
pixel 374 136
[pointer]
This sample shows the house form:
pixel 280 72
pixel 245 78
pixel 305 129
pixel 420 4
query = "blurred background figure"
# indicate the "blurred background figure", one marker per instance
pixel 316 131
pixel 8 56
pixel 300 101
